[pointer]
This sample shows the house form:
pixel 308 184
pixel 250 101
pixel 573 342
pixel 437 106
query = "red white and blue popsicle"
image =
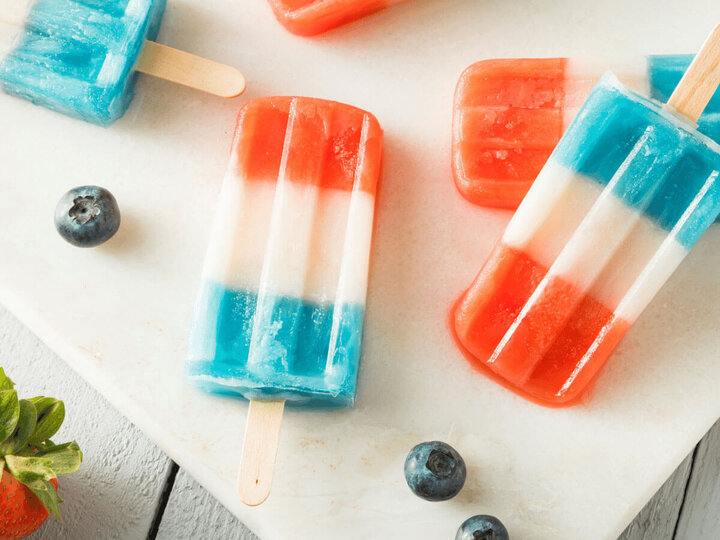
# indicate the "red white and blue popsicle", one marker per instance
pixel 628 191
pixel 279 316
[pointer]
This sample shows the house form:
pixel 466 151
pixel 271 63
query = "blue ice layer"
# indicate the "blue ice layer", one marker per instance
pixel 304 352
pixel 669 170
pixel 77 56
pixel 664 74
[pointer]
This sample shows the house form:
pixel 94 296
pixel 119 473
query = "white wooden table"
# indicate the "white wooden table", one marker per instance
pixel 128 489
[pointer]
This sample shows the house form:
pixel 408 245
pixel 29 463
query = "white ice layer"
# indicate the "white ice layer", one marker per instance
pixel 317 230
pixel 240 230
pixel 550 212
pixel 592 239
pixel 582 74
pixel 290 239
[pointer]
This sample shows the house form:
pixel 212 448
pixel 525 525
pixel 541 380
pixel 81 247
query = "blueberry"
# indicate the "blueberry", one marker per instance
pixel 87 216
pixel 482 528
pixel 435 471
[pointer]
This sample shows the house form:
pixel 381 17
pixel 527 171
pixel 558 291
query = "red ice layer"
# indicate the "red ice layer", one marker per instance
pixel 508 119
pixel 310 17
pixel 560 342
pixel 329 143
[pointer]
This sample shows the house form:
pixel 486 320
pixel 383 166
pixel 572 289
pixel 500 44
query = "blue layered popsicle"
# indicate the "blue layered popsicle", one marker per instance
pixel 77 57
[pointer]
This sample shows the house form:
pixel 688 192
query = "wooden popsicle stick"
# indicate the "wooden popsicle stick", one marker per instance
pixel 702 78
pixel 190 70
pixel 257 464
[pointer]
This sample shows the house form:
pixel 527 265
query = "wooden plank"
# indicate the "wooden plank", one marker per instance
pixel 700 517
pixel 657 520
pixel 115 492
pixel 192 512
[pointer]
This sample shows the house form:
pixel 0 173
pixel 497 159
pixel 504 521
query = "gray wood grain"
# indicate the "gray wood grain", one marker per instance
pixel 115 492
pixel 193 513
pixel 658 519
pixel 700 516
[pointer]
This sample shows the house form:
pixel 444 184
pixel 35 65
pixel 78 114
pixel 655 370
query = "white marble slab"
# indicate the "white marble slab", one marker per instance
pixel 119 314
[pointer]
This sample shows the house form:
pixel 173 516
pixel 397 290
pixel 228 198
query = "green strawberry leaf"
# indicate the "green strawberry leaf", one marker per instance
pixel 5 382
pixel 25 426
pixel 29 468
pixel 64 458
pixel 9 413
pixel 50 416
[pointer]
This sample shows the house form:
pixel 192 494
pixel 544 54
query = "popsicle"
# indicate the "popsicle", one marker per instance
pixel 626 193
pixel 310 17
pixel 279 315
pixel 509 115
pixel 81 57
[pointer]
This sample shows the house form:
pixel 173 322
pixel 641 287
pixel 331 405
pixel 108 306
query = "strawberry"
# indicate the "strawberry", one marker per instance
pixel 29 461
pixel 22 512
